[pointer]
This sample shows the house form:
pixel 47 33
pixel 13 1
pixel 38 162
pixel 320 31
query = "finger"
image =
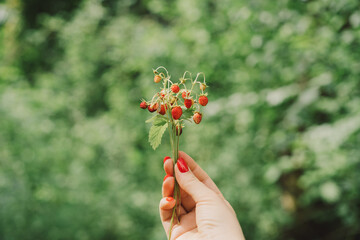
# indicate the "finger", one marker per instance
pixel 168 191
pixel 190 184
pixel 203 177
pixel 186 201
pixel 168 166
pixel 167 203
pixel 200 173
pixel 187 223
pixel 166 206
pixel 168 186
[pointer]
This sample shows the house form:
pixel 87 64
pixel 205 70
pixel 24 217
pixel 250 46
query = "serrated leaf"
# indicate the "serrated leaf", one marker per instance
pixel 151 119
pixel 154 118
pixel 155 134
pixel 188 113
pixel 160 121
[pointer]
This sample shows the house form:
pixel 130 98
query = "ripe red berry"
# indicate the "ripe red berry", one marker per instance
pixel 150 108
pixel 185 94
pixel 176 112
pixel 178 130
pixel 203 100
pixel 175 88
pixel 197 117
pixel 157 78
pixel 143 105
pixel 162 109
pixel 153 108
pixel 188 102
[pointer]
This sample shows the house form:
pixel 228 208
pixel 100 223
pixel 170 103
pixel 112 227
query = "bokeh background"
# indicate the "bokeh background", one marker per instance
pixel 280 136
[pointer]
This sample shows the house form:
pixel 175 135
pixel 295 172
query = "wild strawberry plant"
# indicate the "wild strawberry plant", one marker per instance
pixel 173 104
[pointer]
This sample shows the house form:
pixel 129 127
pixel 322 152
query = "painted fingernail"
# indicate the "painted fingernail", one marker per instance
pixel 169 199
pixel 182 165
pixel 167 175
pixel 166 158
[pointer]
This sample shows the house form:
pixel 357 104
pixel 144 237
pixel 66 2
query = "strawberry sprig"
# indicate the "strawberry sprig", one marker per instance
pixel 175 103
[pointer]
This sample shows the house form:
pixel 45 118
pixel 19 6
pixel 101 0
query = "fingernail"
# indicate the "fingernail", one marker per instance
pixel 182 165
pixel 166 158
pixel 169 199
pixel 167 175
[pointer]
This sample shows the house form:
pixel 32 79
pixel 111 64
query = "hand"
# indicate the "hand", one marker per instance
pixel 204 212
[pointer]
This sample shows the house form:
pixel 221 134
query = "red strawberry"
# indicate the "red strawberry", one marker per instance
pixel 176 112
pixel 143 105
pixel 203 100
pixel 185 94
pixel 197 117
pixel 162 109
pixel 152 108
pixel 157 78
pixel 175 88
pixel 178 131
pixel 188 102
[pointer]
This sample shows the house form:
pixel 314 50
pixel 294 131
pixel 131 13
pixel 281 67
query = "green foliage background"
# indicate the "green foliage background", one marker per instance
pixel 280 135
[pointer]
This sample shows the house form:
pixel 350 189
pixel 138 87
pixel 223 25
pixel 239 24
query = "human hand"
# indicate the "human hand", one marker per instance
pixel 204 212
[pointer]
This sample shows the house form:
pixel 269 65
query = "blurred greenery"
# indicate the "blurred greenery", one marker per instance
pixel 280 136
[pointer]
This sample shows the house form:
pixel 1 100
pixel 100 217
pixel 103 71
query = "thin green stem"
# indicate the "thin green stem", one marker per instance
pixel 200 73
pixel 185 74
pixel 174 210
pixel 177 156
pixel 175 150
pixel 167 73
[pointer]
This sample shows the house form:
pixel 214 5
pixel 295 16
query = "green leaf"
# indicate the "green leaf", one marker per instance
pixel 160 121
pixel 156 118
pixel 159 125
pixel 156 133
pixel 151 119
pixel 188 113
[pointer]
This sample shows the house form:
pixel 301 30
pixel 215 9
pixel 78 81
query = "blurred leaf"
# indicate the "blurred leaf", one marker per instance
pixel 188 113
pixel 156 132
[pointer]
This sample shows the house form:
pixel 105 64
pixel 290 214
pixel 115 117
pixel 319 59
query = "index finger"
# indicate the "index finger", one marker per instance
pixel 200 173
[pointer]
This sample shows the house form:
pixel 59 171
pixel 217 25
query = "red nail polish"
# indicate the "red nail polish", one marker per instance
pixel 169 199
pixel 167 175
pixel 182 165
pixel 166 158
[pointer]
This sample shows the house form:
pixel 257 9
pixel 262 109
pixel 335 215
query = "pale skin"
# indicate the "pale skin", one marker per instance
pixel 204 212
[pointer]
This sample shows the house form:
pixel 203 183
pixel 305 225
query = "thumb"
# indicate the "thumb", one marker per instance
pixel 191 184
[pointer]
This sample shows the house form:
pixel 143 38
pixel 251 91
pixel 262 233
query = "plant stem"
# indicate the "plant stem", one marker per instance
pixel 175 149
